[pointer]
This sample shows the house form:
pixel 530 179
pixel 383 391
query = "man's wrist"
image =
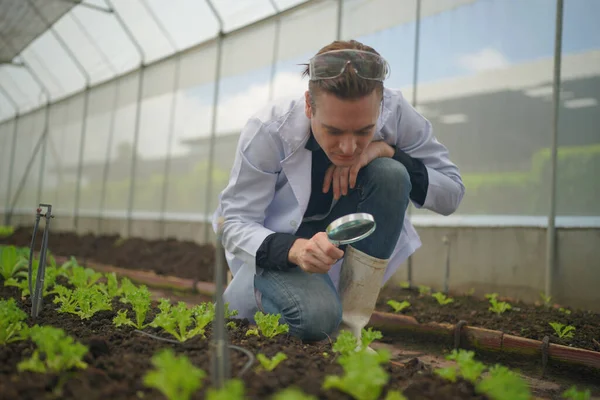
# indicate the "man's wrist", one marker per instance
pixel 295 250
pixel 387 150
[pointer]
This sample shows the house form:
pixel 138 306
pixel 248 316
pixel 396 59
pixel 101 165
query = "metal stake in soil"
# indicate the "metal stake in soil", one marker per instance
pixel 220 366
pixel 37 292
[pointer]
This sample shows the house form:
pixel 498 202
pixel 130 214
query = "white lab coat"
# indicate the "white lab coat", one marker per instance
pixel 270 184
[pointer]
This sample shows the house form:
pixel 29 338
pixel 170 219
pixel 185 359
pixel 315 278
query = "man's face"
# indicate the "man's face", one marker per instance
pixel 343 128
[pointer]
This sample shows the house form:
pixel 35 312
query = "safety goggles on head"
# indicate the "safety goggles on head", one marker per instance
pixel 333 63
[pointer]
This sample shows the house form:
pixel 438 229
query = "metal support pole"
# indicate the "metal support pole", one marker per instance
pixel 137 115
pixel 138 110
pixel 551 232
pixel 275 51
pixel 44 149
pixel 106 170
pixel 220 362
pixel 340 15
pixel 12 153
pixel 90 6
pixel 415 84
pixel 213 128
pixel 167 35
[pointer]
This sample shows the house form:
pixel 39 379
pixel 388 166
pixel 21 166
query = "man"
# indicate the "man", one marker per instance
pixel 350 145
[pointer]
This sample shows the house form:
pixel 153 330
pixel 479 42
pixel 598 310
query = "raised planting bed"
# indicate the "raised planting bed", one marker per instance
pixel 108 360
pixel 170 257
pixel 562 325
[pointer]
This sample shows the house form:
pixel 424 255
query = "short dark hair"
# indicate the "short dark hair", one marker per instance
pixel 349 85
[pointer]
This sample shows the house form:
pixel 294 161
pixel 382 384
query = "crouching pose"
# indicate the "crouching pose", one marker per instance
pixel 348 145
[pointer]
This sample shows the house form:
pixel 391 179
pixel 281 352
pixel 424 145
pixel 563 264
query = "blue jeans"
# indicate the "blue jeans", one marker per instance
pixel 309 303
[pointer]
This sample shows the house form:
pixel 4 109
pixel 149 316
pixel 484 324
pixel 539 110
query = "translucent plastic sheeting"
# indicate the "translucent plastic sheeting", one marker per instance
pixel 236 14
pixel 578 164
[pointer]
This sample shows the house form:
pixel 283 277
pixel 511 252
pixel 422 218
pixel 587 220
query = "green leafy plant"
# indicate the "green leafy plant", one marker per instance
pixel 179 319
pixel 292 393
pixel 563 331
pixel 499 384
pixel 82 301
pixel 364 377
pixel 11 262
pixel 424 290
pixel 503 384
pixel 347 343
pixel 442 299
pixel 395 395
pixel 404 285
pixel 232 390
pixel 174 376
pixel 6 231
pixel 12 322
pixel 573 394
pixel 80 276
pixel 111 288
pixel 498 307
pixel 466 366
pixel 270 364
pixel 140 300
pixel 268 325
pixel 564 311
pixel 546 299
pixel 55 352
pixel 397 305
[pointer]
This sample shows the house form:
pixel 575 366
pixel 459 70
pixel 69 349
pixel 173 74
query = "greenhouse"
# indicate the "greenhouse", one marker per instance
pixel 126 129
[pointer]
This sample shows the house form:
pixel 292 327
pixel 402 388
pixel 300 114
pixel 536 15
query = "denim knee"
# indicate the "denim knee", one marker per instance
pixel 390 177
pixel 309 304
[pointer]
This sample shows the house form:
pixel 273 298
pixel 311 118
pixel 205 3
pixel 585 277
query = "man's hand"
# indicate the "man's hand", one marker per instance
pixel 316 254
pixel 342 178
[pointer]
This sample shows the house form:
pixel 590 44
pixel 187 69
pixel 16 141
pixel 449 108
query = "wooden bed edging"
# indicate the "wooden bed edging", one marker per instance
pixel 486 339
pixel 390 324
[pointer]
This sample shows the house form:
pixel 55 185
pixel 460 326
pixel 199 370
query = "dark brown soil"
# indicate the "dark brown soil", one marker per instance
pixel 525 320
pixel 171 257
pixel 118 359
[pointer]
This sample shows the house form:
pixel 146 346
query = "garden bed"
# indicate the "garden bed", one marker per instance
pixel 530 321
pixel 170 257
pixel 118 358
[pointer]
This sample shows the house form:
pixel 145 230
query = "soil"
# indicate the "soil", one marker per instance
pixel 525 320
pixel 118 358
pixel 169 256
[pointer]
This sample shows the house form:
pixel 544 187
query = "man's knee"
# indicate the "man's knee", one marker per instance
pixel 307 303
pixel 390 176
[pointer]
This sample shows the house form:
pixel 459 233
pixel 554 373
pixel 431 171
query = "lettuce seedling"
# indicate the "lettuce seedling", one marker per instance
pixel 82 277
pixel 6 231
pixel 573 394
pixel 11 262
pixel 468 368
pixel 111 288
pixel 563 331
pixel 268 325
pixel 56 351
pixel 83 301
pixel 174 376
pixel 395 395
pixel 498 307
pixel 347 343
pixel 140 300
pixel 398 306
pixel 424 290
pixel 232 390
pixel 176 320
pixel 363 378
pixel 12 322
pixel 271 364
pixel 292 393
pixel 442 299
pixel 503 384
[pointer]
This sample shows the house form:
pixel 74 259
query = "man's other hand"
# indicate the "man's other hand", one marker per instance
pixel 342 178
pixel 315 255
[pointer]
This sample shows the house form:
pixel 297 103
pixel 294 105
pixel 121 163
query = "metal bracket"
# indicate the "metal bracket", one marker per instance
pixel 457 332
pixel 37 292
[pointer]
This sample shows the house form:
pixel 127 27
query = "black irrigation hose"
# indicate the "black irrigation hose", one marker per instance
pixel 247 352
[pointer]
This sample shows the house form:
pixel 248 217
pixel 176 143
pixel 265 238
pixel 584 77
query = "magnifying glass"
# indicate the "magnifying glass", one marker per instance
pixel 350 228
